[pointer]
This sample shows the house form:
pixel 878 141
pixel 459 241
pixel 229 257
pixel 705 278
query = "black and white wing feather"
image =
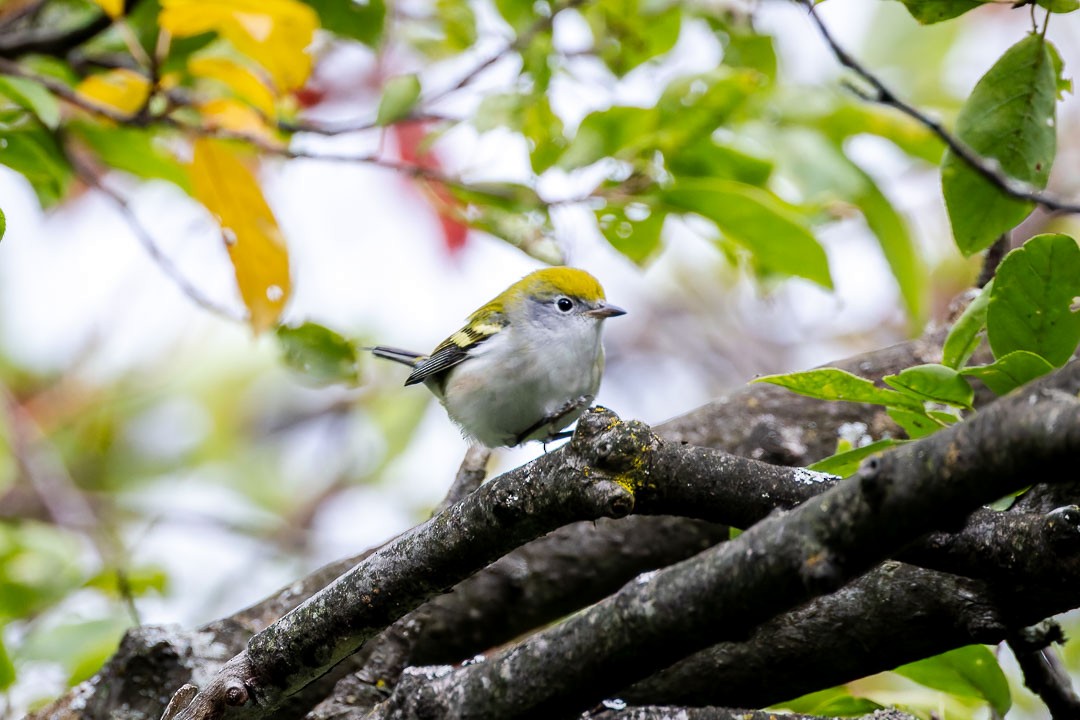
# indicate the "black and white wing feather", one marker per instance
pixel 455 349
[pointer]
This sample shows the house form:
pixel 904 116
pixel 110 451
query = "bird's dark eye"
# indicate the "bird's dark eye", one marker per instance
pixel 564 304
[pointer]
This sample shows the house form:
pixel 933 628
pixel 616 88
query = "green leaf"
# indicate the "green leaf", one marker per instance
pixel 757 220
pixel 928 12
pixel 1010 371
pixel 320 354
pixel 543 130
pixel 33 97
pixel 965 334
pixel 967 672
pixel 847 462
pixel 532 116
pixel 1008 117
pixel 458 24
pixel 81 647
pixel 1059 6
pixel 137 581
pixel 1064 84
pixel 138 151
pixel 618 132
pixel 627 33
pixel 399 97
pixel 31 150
pixel 932 382
pixel 520 14
pixel 707 158
pixel 633 230
pixel 692 106
pixel 3 224
pixel 850 118
pixel 181 48
pixel 917 424
pixel 7 668
pixel 750 50
pixel 362 21
pixel 833 702
pixel 1031 303
pixel 38 566
pixel 834 384
pixel 897 245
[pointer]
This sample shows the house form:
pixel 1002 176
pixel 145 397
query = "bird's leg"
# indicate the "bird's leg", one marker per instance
pixel 580 402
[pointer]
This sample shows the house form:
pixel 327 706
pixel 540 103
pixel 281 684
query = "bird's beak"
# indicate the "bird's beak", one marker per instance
pixel 605 311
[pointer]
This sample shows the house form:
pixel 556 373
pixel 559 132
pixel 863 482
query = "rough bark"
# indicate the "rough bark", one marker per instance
pixel 982 549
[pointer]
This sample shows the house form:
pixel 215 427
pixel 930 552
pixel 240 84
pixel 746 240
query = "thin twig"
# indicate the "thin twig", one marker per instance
pixel 259 143
pixel 146 239
pixel 988 168
pixel 992 259
pixel 524 38
pixel 57 43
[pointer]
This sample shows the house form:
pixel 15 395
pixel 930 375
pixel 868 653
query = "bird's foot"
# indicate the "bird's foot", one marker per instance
pixel 571 406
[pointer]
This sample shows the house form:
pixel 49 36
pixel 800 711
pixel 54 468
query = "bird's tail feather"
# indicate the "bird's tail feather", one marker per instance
pixel 405 357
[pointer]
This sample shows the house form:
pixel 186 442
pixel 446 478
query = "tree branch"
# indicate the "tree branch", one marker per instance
pixel 576 482
pixel 1043 672
pixel 988 168
pixel 780 562
pixel 57 42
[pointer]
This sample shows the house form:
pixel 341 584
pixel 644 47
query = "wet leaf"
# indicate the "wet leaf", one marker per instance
pixel 229 190
pixel 934 11
pixel 936 383
pixel 1008 117
pixel 274 33
pixel 318 353
pixel 1010 371
pixel 834 384
pixel 1031 304
pixel 759 221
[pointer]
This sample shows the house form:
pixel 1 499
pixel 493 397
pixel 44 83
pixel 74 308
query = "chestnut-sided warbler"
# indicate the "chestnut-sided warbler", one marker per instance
pixel 525 365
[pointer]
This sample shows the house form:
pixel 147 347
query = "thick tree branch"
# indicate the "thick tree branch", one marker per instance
pixel 499 516
pixel 896 613
pixel 536 584
pixel 776 564
pixel 232 632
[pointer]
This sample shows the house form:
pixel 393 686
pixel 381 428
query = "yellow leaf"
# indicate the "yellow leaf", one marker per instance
pixel 273 33
pixel 229 190
pixel 241 81
pixel 121 89
pixel 112 8
pixel 230 114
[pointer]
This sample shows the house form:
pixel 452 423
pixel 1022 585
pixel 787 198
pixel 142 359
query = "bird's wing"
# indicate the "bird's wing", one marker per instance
pixel 455 348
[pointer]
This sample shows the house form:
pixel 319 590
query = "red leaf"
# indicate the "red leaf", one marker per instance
pixel 410 138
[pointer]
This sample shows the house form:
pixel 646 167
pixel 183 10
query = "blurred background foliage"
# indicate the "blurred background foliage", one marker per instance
pixel 185 278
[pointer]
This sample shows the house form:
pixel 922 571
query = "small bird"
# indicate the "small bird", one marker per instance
pixel 525 365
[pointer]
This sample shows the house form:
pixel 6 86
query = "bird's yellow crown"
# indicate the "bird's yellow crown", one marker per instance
pixel 544 284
